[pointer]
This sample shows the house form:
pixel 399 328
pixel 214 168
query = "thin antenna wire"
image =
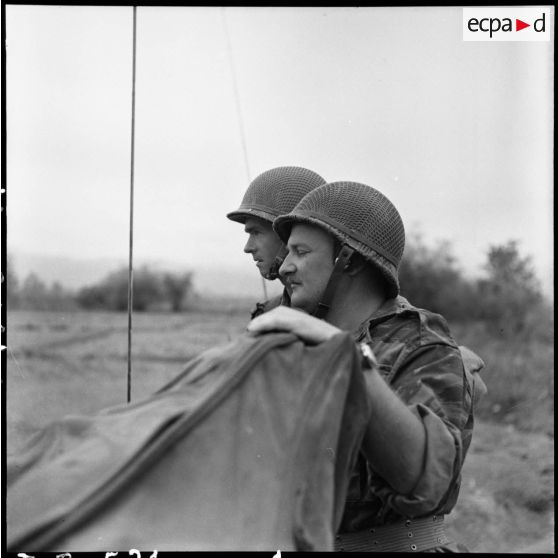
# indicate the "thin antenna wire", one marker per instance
pixel 130 266
pixel 236 96
pixel 239 112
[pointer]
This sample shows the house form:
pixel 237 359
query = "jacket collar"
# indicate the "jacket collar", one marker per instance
pixel 391 307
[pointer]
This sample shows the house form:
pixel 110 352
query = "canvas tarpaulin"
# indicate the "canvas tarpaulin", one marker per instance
pixel 249 448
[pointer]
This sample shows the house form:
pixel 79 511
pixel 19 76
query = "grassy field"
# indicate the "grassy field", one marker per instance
pixel 75 363
pixel 519 374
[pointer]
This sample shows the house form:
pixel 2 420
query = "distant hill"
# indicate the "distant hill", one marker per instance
pixel 74 273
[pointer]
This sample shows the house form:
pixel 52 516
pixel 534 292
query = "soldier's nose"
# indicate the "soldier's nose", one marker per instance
pixel 287 267
pixel 248 248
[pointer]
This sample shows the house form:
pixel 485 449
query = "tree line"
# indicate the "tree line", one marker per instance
pixel 508 296
pixel 152 290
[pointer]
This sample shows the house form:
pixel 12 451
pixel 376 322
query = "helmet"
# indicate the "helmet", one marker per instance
pixel 275 192
pixel 360 217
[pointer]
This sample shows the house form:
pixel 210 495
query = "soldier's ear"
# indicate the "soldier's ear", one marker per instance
pixel 355 265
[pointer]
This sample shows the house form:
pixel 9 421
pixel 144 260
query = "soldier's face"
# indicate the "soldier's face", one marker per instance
pixel 308 265
pixel 262 243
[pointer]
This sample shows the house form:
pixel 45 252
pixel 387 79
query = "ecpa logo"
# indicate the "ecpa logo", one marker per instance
pixel 507 24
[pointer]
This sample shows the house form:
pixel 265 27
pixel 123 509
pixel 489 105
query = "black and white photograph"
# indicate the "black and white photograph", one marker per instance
pixel 277 279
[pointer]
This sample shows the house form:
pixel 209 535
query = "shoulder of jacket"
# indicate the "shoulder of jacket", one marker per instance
pixel 423 325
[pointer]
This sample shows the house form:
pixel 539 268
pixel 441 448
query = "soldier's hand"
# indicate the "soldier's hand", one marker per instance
pixel 282 318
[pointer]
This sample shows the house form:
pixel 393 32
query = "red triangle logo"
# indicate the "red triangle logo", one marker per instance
pixel 519 25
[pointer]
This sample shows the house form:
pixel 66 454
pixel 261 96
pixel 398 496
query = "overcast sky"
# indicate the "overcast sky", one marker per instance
pixel 457 134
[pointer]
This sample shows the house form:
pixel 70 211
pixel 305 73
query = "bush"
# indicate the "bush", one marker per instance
pixel 12 284
pixel 176 287
pixel 151 290
pixel 519 373
pixel 34 294
pixel 511 296
pixel 92 297
pixel 508 299
pixel 431 279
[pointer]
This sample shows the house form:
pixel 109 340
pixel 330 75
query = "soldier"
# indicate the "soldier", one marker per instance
pixel 345 242
pixel 272 193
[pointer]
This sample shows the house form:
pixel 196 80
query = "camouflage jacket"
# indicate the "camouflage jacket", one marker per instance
pixel 280 300
pixel 421 361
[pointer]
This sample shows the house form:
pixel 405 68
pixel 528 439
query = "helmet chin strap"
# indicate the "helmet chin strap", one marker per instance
pixel 341 263
pixel 273 272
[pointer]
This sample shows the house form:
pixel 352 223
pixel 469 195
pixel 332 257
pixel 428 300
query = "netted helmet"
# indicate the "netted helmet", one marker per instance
pixel 357 215
pixel 275 192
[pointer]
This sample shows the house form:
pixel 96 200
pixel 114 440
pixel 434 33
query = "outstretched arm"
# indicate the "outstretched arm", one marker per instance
pixel 395 440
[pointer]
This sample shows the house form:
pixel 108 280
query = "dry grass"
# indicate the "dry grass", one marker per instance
pixel 63 363
pixel 519 374
pixel 507 496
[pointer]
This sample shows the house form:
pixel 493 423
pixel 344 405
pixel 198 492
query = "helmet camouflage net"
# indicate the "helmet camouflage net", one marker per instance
pixel 357 215
pixel 275 192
